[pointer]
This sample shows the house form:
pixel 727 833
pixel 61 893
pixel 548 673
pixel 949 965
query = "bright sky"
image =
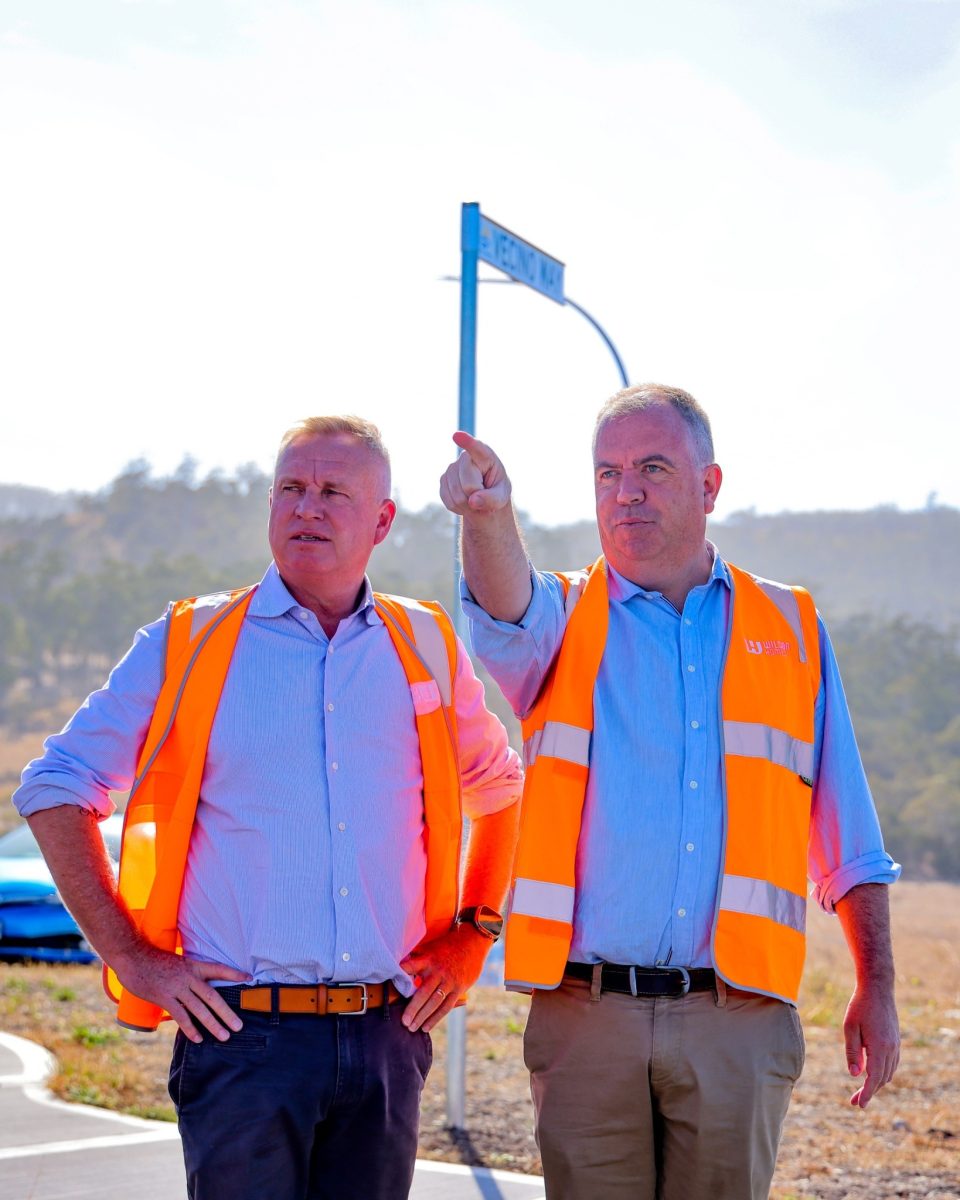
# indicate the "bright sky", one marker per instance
pixel 220 217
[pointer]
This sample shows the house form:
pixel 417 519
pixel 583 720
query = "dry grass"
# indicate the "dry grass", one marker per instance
pixel 907 1144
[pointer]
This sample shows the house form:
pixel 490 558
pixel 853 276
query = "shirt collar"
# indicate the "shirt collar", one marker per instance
pixel 621 590
pixel 272 598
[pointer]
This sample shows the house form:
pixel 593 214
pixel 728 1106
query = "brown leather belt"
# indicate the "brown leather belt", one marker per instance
pixel 322 1000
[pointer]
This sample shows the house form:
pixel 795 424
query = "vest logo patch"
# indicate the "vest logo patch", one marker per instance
pixel 774 648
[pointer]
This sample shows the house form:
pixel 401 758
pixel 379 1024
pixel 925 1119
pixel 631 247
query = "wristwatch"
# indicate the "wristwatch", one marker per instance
pixel 484 919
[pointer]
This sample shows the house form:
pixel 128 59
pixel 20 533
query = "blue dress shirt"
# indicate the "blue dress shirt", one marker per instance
pixel 307 859
pixel 648 859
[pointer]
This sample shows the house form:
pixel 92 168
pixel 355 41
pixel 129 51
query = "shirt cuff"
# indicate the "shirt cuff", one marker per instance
pixel 875 867
pixel 37 796
pixel 480 615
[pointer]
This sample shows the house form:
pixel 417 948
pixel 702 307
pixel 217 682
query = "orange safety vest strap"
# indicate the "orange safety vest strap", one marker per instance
pixel 159 815
pixel 428 633
pixel 425 641
pixel 557 735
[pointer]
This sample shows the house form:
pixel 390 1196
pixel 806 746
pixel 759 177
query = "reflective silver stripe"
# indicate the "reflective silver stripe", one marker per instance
pixel 531 748
pixel 759 898
pixel 433 649
pixel 558 740
pixel 535 898
pixel 577 581
pixel 205 608
pixel 752 740
pixel 786 601
pixel 428 642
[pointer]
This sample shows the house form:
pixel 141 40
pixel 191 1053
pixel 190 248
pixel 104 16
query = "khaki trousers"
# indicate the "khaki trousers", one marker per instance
pixel 660 1099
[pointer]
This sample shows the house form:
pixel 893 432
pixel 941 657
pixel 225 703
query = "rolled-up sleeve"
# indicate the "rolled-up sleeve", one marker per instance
pixel 490 770
pixel 519 656
pixel 96 752
pixel 846 845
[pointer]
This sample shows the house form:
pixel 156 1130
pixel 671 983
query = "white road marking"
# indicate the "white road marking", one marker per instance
pixel 164 1134
pixel 36 1063
pixel 444 1168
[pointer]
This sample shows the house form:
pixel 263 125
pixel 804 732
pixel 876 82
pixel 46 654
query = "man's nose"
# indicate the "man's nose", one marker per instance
pixel 311 504
pixel 631 490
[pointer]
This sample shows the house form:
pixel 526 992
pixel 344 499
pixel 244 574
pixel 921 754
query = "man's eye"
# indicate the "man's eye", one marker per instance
pixel 291 487
pixel 611 474
pixel 653 468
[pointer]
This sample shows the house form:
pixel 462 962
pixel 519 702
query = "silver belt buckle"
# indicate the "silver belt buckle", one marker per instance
pixel 685 980
pixel 632 976
pixel 363 991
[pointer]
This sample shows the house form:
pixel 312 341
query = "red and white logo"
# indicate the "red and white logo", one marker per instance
pixel 763 647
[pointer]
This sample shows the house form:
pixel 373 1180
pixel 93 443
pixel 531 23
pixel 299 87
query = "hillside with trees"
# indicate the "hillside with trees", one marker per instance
pixel 80 573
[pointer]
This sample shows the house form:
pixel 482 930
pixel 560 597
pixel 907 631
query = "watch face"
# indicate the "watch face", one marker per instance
pixel 488 921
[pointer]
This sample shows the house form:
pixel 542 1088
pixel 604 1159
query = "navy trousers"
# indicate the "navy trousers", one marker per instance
pixel 302 1107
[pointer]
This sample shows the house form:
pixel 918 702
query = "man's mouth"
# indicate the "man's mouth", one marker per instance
pixel 309 537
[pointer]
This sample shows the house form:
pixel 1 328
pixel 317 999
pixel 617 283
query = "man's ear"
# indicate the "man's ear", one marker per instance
pixel 712 479
pixel 388 510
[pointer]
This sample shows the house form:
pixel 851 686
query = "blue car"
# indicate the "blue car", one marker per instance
pixel 33 921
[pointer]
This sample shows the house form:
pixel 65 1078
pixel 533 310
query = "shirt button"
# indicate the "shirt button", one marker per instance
pixel 329 708
pixel 304 614
pixel 694 724
pixel 687 621
pixel 694 784
pixel 689 846
pixel 342 826
pixel 334 766
pixel 330 648
pixel 343 891
pixel 345 956
pixel 691 667
pixel 681 912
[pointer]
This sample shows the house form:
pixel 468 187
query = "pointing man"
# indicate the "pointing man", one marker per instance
pixel 690 759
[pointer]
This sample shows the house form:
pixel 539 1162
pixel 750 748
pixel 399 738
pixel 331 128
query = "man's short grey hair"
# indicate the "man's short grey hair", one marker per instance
pixel 648 395
pixel 356 427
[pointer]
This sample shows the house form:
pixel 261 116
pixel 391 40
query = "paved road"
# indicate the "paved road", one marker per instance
pixel 55 1151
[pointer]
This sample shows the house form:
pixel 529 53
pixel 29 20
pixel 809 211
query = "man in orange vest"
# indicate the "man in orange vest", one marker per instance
pixel 301 756
pixel 689 760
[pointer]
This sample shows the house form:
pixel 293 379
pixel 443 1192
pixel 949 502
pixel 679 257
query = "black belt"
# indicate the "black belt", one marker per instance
pixel 645 981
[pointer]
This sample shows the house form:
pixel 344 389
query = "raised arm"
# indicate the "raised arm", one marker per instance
pixel 495 565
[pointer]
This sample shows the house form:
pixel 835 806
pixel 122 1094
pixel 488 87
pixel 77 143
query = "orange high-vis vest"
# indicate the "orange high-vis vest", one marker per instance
pixel 771 677
pixel 202 634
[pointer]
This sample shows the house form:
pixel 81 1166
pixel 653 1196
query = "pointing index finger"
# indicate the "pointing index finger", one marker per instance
pixel 479 451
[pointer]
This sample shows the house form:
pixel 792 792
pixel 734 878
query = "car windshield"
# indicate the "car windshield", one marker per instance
pixel 20 842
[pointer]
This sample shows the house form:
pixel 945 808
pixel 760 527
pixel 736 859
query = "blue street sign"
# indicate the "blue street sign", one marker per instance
pixel 521 261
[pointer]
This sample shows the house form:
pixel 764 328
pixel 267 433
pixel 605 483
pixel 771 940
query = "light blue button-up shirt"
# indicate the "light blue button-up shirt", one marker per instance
pixel 648 859
pixel 307 859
